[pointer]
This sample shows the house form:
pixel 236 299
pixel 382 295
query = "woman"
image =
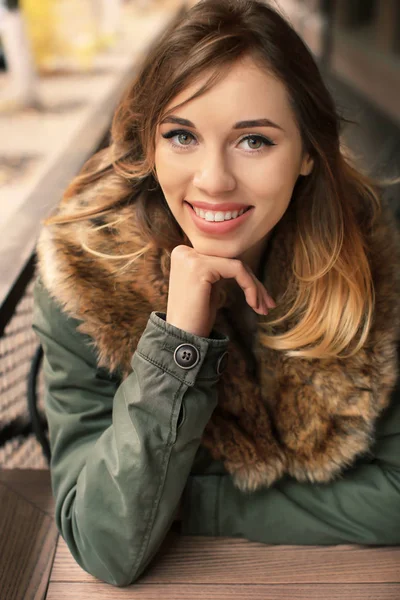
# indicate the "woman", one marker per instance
pixel 224 216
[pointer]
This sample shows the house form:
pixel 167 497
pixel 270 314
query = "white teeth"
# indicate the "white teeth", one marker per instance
pixel 212 216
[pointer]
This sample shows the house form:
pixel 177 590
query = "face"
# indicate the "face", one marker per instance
pixel 237 147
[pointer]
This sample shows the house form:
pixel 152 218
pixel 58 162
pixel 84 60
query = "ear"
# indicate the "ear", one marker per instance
pixel 306 165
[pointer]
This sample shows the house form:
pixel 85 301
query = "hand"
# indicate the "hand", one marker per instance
pixel 195 286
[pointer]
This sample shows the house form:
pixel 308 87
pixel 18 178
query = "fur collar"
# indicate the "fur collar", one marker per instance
pixel 275 415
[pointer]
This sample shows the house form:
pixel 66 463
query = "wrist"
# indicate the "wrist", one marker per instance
pixel 183 325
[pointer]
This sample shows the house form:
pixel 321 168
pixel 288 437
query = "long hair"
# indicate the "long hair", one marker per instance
pixel 332 292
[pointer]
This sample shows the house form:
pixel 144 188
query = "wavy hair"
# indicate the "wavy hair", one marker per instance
pixel 332 292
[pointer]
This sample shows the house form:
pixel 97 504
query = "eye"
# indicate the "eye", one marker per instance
pixel 257 142
pixel 183 137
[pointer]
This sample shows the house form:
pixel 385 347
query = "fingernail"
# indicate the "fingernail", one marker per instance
pixel 271 302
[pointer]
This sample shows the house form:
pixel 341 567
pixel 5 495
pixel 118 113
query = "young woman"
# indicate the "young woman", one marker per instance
pixel 218 303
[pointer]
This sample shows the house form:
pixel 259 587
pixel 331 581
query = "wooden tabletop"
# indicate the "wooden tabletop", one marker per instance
pixel 28 534
pixel 187 568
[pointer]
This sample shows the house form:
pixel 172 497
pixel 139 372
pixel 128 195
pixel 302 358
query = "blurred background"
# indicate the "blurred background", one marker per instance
pixel 63 67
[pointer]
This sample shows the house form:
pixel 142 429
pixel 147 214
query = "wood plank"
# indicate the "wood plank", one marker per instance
pixel 33 485
pixel 88 591
pixel 28 538
pixel 184 559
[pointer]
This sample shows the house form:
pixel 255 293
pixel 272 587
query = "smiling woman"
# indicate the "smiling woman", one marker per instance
pixel 221 162
pixel 225 195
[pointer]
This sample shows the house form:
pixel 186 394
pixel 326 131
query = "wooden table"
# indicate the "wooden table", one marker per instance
pixel 28 535
pixel 187 568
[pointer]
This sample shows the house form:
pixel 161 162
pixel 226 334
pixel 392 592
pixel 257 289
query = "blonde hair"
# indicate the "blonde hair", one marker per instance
pixel 331 293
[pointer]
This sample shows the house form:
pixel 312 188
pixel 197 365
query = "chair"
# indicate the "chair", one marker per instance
pixel 38 421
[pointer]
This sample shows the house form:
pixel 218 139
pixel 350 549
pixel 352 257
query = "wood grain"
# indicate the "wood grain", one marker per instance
pixel 88 591
pixel 187 568
pixel 28 538
pixel 223 560
pixel 32 484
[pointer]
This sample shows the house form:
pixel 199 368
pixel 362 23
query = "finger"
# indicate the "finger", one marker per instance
pixel 264 299
pixel 229 268
pixel 251 288
pixel 255 293
pixel 268 299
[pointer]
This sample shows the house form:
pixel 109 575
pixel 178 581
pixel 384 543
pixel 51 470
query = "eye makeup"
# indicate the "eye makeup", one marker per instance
pixel 170 135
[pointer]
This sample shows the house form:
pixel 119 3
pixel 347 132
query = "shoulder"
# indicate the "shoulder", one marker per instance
pixel 56 328
pixel 101 276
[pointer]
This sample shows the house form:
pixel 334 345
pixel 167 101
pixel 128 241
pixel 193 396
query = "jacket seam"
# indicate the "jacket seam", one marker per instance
pixel 153 512
pixel 164 369
pixel 172 349
pixel 165 331
pixel 214 379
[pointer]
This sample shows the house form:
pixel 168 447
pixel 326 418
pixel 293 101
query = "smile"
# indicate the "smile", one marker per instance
pixel 218 222
pixel 211 216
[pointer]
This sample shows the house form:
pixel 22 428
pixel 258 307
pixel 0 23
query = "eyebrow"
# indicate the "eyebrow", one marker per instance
pixel 239 125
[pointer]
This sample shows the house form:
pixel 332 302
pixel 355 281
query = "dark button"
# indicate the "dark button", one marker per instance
pixel 222 362
pixel 186 356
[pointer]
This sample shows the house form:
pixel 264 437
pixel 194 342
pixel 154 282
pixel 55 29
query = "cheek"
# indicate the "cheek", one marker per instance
pixel 170 174
pixel 161 165
pixel 274 177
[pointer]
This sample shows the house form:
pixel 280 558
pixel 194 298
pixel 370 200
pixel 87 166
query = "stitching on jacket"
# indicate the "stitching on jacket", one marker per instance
pixel 153 512
pixel 166 331
pixel 172 349
pixel 206 356
pixel 165 369
pixel 215 378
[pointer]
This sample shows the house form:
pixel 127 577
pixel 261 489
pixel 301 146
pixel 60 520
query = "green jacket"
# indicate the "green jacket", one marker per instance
pixel 124 453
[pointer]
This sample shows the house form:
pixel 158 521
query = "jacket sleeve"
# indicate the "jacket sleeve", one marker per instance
pixel 121 452
pixel 362 507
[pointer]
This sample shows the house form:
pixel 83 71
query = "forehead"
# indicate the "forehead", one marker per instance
pixel 245 91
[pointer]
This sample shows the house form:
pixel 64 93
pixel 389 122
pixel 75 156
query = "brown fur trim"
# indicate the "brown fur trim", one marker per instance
pixel 307 418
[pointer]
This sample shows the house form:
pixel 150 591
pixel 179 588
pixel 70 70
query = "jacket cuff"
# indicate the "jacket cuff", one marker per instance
pixel 200 505
pixel 160 340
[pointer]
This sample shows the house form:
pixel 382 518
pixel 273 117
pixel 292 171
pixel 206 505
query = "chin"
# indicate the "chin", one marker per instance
pixel 220 248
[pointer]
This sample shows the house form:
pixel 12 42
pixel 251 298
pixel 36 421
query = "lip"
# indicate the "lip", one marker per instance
pixel 222 206
pixel 217 226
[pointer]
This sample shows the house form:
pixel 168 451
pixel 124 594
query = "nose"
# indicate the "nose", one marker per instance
pixel 213 175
